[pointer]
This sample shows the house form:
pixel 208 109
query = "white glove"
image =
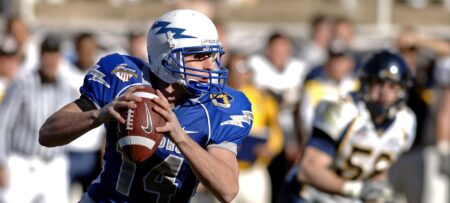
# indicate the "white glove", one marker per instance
pixel 369 191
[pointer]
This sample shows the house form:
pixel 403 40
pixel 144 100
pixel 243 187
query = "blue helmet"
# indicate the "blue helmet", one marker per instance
pixel 385 66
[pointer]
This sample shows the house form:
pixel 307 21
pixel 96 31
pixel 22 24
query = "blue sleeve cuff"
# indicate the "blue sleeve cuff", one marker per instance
pixel 323 142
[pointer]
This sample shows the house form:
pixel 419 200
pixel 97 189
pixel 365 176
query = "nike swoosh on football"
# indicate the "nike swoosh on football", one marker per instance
pixel 149 127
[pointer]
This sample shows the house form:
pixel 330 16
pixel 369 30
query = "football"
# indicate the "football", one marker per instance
pixel 137 137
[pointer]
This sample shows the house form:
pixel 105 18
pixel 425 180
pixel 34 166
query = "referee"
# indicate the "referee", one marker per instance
pixel 34 173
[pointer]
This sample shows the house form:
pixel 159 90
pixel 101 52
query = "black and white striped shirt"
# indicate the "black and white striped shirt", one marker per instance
pixel 28 102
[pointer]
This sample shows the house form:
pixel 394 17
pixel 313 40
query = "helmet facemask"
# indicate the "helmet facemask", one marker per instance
pixel 385 68
pixel 196 80
pixel 377 108
pixel 178 35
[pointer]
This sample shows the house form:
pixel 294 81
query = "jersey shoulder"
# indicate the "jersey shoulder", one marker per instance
pixel 333 116
pixel 232 114
pixel 110 76
pixel 115 62
pixel 406 120
pixel 406 115
pixel 229 101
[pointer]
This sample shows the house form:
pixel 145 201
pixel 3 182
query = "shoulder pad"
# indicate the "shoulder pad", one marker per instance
pixel 112 75
pixel 238 107
pixel 231 114
pixel 407 120
pixel 111 62
pixel 332 117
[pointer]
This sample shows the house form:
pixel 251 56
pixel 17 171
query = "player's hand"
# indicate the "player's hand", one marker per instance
pixel 377 192
pixel 111 111
pixel 172 127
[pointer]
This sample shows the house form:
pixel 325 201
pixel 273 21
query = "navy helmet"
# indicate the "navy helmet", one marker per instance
pixel 385 66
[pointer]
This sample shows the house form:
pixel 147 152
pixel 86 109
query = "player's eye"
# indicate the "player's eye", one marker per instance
pixel 201 57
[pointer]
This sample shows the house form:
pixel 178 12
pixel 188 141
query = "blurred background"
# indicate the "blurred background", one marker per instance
pixel 377 20
pixel 297 52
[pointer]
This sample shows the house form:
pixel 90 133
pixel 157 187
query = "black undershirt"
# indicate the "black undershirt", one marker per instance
pixel 84 103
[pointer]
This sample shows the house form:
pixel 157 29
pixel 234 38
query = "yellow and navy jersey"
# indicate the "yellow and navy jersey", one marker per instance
pixel 344 130
pixel 265 130
pixel 220 119
pixel 360 150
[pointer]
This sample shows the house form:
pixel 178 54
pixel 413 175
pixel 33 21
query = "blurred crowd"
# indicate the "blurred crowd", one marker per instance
pixel 284 81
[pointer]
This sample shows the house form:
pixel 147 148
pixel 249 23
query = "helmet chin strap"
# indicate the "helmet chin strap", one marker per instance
pixel 380 113
pixel 377 111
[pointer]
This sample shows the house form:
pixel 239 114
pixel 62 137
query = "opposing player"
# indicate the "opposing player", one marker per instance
pixel 205 119
pixel 356 139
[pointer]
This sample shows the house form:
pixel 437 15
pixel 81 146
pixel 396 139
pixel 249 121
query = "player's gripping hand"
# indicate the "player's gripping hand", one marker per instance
pixel 377 192
pixel 172 126
pixel 110 112
pixel 370 191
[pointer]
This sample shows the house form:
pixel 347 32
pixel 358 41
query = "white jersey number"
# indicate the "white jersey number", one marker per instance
pixel 160 180
pixel 354 169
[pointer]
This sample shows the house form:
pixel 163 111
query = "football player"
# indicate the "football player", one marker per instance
pixel 356 139
pixel 205 119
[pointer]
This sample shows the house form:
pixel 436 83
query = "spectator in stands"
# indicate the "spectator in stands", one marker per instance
pixel 36 173
pixel 28 48
pixel 84 152
pixel 328 82
pixel 343 36
pixel 265 139
pixel 137 43
pixel 343 32
pixel 279 73
pixel 421 52
pixel 6 8
pixel 314 51
pixel 443 114
pixel 9 64
pixel 222 31
pixel 428 98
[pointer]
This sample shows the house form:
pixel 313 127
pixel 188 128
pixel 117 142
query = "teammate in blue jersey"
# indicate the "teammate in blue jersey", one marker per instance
pixel 205 119
pixel 355 139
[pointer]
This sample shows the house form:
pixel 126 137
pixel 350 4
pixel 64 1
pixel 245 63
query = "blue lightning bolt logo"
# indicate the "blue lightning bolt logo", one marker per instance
pixel 238 120
pixel 98 76
pixel 177 32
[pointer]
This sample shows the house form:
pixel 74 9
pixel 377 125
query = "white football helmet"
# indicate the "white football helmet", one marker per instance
pixel 179 33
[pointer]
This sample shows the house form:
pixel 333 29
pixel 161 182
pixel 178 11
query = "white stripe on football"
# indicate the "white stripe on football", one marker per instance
pixel 136 140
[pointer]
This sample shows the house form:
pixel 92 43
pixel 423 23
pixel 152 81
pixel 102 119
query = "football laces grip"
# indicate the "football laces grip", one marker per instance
pixel 129 119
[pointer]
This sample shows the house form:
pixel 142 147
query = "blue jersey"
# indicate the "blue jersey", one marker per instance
pixel 212 120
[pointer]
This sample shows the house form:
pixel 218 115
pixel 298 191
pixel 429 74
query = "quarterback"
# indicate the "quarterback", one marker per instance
pixel 205 119
pixel 355 139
